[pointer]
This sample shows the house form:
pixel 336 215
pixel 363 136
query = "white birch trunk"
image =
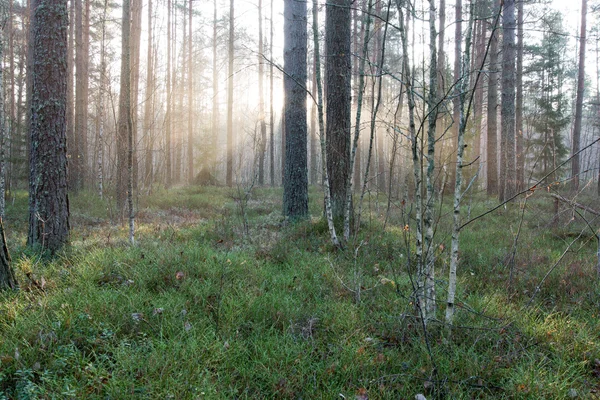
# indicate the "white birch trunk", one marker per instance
pixel 432 111
pixel 416 158
pixel 464 87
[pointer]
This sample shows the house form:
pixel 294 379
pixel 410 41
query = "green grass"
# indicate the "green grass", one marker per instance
pixel 203 308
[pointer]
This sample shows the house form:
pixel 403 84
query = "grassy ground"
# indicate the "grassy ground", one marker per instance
pixel 214 304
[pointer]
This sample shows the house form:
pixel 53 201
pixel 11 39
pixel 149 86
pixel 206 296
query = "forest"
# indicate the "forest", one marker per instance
pixel 299 199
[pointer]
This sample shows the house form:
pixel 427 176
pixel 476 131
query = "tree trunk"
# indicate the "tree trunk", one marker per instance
pixel 124 123
pixel 230 142
pixel 102 90
pixel 313 127
pixel 168 139
pixel 457 88
pixel 212 160
pixel 575 168
pixel 463 118
pixel 8 279
pixel 136 35
pixel 48 198
pixel 72 152
pixel 190 68
pixel 428 303
pixel 3 131
pixel 271 112
pixel 379 76
pixel 81 81
pixel 359 101
pixel 295 182
pixel 492 112
pixel 261 100
pixel 338 94
pixel 149 107
pixel 519 101
pixel 508 159
pixel 327 189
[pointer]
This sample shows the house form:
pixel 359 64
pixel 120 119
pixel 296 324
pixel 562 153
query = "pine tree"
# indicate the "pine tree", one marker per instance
pixel 48 198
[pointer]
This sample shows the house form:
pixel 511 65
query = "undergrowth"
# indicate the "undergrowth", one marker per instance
pixel 203 307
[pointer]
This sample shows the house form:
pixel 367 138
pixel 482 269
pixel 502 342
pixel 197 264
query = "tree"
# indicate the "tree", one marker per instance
pixel 3 119
pixel 168 138
pixel 215 93
pixel 579 101
pixel 463 113
pixel 295 182
pixel 190 148
pixel 328 212
pixel 261 100
pixel 338 99
pixel 519 101
pixel 134 62
pixel 546 115
pixel 457 88
pixel 82 43
pixel 508 171
pixel 149 105
pixel 8 279
pixel 271 111
pixel 229 173
pixel 427 277
pixel 48 198
pixel 125 130
pixel 492 112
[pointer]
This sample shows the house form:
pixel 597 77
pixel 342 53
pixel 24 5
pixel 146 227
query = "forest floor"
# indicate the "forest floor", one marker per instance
pixel 221 299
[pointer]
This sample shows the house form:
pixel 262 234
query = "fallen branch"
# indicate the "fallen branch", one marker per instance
pixel 575 204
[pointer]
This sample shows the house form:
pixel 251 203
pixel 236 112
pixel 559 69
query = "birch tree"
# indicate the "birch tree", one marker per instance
pixel 463 84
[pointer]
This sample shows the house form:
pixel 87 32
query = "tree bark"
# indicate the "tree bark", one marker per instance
pixel 338 93
pixel 295 182
pixel 230 139
pixel 575 167
pixel 136 35
pixel 519 101
pixel 457 77
pixel 355 143
pixel 271 111
pixel 508 160
pixel 168 139
pixel 328 209
pixel 81 80
pixel 211 164
pixel 102 90
pixel 124 122
pixel 48 198
pixel 149 107
pixel 492 112
pixel 261 100
pixel 428 304
pixel 190 68
pixel 8 280
pixel 463 118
